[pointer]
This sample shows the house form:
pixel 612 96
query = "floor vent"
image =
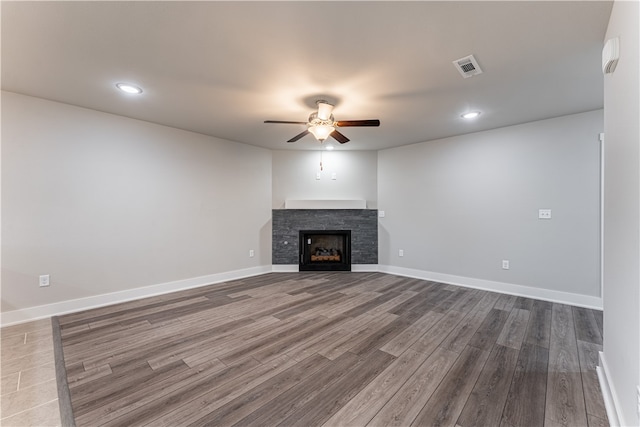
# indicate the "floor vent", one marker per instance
pixel 467 66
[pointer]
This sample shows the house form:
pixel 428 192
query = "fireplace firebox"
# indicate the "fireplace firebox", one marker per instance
pixel 325 250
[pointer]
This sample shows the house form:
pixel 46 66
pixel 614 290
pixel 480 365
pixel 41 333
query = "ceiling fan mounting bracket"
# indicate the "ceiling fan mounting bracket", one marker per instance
pixel 312 100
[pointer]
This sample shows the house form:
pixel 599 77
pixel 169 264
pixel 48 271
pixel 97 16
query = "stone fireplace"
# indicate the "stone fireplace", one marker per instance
pixel 362 225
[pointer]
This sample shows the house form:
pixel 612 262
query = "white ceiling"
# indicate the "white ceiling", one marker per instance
pixel 222 68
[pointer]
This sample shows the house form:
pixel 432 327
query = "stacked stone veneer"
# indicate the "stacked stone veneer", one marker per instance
pixel 287 224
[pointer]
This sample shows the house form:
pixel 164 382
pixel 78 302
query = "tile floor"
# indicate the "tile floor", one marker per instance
pixel 28 391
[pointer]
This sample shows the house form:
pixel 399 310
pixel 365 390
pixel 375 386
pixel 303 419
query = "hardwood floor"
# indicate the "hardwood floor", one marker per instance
pixel 334 349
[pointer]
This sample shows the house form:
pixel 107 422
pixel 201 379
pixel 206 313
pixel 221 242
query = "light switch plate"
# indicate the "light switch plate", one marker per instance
pixel 44 280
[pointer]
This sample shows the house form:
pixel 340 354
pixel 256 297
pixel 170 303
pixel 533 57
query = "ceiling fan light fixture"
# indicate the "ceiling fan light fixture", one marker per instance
pixel 320 127
pixel 322 131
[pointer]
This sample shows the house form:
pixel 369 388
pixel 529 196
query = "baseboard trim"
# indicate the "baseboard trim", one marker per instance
pixel 64 307
pixel 365 268
pixel 608 392
pixel 505 288
pixel 285 268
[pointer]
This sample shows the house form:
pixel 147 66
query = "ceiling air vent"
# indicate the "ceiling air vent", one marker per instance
pixel 610 55
pixel 467 66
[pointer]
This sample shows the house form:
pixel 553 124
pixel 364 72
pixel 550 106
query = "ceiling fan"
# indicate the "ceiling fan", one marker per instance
pixel 322 125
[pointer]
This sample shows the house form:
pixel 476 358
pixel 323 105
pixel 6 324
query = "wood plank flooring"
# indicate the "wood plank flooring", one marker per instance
pixel 334 349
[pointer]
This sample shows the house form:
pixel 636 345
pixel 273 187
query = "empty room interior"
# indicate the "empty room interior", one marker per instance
pixel 320 213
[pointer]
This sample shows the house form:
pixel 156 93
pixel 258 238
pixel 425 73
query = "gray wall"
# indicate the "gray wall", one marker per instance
pixel 461 205
pixel 622 214
pixel 103 203
pixel 294 176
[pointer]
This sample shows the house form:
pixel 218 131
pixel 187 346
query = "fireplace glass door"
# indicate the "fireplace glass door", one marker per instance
pixel 325 250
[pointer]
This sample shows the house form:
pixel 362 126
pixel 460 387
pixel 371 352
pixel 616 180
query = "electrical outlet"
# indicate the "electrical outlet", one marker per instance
pixel 544 213
pixel 505 264
pixel 44 280
pixel 400 252
pixel 251 253
pixel 380 214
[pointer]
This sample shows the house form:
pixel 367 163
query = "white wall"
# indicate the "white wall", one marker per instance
pixel 294 176
pixel 104 203
pixel 622 215
pixel 461 205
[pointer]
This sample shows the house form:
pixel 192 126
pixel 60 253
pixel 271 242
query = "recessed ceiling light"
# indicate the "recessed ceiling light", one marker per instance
pixel 471 115
pixel 129 88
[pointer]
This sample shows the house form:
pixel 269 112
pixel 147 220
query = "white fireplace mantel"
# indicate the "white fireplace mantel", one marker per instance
pixel 325 204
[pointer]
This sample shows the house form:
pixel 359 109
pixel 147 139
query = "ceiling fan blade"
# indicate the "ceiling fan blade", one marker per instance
pixel 298 136
pixel 339 137
pixel 345 123
pixel 285 122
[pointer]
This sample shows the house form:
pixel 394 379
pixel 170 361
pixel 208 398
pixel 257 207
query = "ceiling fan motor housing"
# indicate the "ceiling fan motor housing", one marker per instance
pixel 316 120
